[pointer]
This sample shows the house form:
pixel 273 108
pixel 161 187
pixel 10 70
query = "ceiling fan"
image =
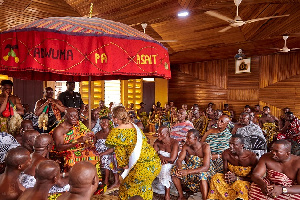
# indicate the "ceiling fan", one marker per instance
pixel 285 49
pixel 237 21
pixel 144 26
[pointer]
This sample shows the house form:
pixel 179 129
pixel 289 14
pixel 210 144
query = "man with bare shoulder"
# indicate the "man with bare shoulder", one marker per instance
pixel 42 146
pixel 197 170
pixel 16 160
pixel 28 139
pixel 48 110
pixel 238 164
pixel 167 149
pixel 47 174
pixel 73 140
pixel 83 181
pixel 10 105
pixel 268 124
pixel 277 174
pixel 218 140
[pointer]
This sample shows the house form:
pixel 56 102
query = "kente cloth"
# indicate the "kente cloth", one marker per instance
pixel 104 112
pixel 192 181
pixel 29 181
pixel 97 127
pixel 201 124
pixel 107 161
pixel 270 131
pixel 277 178
pixel 254 139
pixel 292 130
pixel 179 130
pixel 164 176
pixel 140 177
pixel 79 152
pixel 218 143
pixel 7 142
pixel 221 190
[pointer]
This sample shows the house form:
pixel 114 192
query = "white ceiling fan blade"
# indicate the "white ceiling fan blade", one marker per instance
pixel 218 15
pixel 166 41
pixel 294 49
pixel 265 18
pixel 237 2
pixel 225 29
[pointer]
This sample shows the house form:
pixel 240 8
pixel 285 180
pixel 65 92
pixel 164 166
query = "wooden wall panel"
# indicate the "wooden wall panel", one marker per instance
pixel 274 81
pixel 278 67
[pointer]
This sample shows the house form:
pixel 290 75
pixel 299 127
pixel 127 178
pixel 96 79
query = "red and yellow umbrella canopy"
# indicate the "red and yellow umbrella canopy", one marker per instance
pixel 74 48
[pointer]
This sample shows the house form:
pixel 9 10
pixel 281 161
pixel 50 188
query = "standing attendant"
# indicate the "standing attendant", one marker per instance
pixel 71 99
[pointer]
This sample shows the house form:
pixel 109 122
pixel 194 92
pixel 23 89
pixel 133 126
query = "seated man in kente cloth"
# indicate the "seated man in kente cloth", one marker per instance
pixel 282 177
pixel 238 164
pixel 73 140
pixel 167 149
pixel 197 170
pixel 218 140
pixel 291 132
pixel 269 125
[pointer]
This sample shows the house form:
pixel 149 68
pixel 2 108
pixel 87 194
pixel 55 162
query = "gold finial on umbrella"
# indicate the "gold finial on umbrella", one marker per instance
pixel 91 10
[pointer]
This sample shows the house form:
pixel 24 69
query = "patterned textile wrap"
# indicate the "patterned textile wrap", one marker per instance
pixel 49 117
pixel 270 131
pixel 140 177
pixel 192 181
pixel 164 176
pixel 3 124
pixel 254 139
pixel 64 48
pixel 218 143
pixel 7 142
pixel 179 130
pixel 144 118
pixel 201 124
pixel 293 130
pixel 79 152
pixel 221 190
pixel 277 178
pixel 29 181
pixel 107 161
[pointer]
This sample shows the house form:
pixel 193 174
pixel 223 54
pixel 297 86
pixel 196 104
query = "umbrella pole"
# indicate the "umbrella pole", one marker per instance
pixel 89 102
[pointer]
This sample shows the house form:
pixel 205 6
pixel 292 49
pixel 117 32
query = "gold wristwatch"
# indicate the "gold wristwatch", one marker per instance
pixel 284 190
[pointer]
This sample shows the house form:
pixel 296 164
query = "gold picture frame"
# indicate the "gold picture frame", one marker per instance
pixel 243 66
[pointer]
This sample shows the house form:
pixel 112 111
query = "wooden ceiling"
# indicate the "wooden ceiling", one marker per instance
pixel 197 35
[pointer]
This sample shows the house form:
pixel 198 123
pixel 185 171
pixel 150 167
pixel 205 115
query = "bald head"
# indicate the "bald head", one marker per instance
pixel 83 174
pixel 26 125
pixel 71 116
pixel 136 197
pixel 17 156
pixel 42 141
pixel 47 170
pixel 28 139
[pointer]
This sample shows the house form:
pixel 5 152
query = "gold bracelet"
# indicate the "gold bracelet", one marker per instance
pixel 238 178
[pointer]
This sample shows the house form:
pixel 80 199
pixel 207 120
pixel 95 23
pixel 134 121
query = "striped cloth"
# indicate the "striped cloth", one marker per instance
pixel 179 130
pixel 273 177
pixel 219 142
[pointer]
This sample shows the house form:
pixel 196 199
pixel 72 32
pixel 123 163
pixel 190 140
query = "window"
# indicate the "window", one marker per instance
pixel 112 92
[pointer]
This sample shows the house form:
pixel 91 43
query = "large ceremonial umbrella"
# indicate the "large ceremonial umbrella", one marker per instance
pixel 80 49
pixel 76 48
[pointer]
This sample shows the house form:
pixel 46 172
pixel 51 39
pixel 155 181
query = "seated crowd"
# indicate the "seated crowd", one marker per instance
pixel 53 155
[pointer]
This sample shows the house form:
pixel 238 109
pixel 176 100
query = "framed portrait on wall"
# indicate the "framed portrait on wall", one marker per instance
pixel 243 65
